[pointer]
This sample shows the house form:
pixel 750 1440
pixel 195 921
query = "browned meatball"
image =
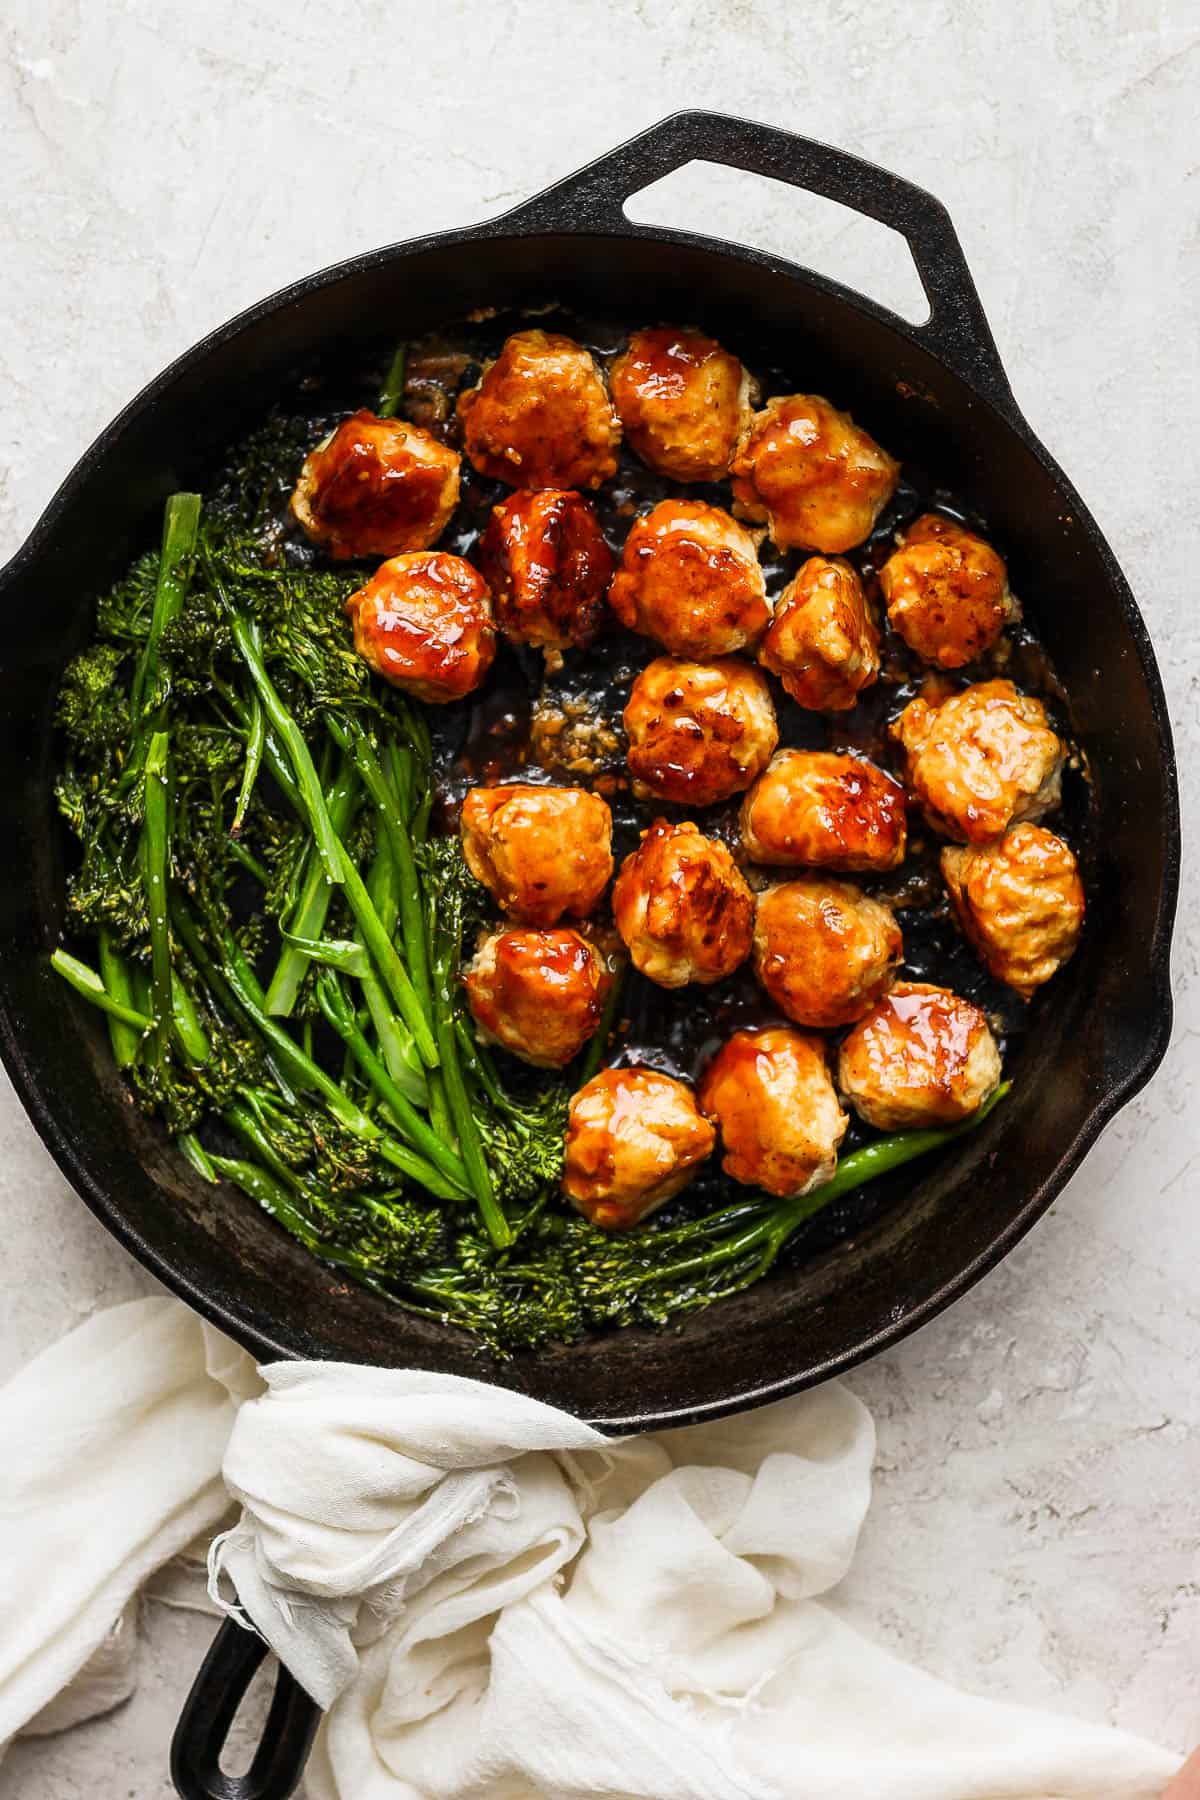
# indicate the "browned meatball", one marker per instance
pixel 424 622
pixel 824 950
pixel 540 416
pixel 690 578
pixel 698 732
pixel 545 559
pixel 538 993
pixel 822 642
pixel 778 1114
pixel 946 592
pixel 543 852
pixel 634 1138
pixel 682 907
pixel 921 1057
pixel 816 477
pixel 1019 901
pixel 376 487
pixel 982 760
pixel 683 401
pixel 816 808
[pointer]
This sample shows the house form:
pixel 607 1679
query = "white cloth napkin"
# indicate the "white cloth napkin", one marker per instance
pixel 492 1601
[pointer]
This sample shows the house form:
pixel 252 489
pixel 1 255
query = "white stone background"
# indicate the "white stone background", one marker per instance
pixel 1034 1534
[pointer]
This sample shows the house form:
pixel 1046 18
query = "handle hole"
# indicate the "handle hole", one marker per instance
pixel 236 1756
pixel 807 228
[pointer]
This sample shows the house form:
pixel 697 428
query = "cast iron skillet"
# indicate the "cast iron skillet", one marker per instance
pixel 935 394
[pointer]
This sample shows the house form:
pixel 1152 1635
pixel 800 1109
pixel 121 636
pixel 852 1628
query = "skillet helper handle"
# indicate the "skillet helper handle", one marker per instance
pixel 209 1711
pixel 593 200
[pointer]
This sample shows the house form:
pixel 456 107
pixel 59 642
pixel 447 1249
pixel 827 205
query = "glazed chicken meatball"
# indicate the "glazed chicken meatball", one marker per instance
pixel 779 1118
pixel 539 994
pixel 634 1138
pixel 682 907
pixel 424 622
pixel 540 416
pixel 376 487
pixel 545 559
pixel 816 808
pixel 698 732
pixel 690 578
pixel 982 760
pixel 683 401
pixel 543 852
pixel 816 478
pixel 946 592
pixel 822 642
pixel 1019 901
pixel 921 1057
pixel 824 951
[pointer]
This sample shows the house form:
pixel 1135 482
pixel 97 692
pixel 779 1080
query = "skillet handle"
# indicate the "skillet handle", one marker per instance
pixel 593 200
pixel 209 1711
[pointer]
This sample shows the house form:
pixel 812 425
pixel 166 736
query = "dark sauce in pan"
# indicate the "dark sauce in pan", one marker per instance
pixel 533 722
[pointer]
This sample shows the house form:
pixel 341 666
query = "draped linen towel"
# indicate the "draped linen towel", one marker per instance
pixel 491 1600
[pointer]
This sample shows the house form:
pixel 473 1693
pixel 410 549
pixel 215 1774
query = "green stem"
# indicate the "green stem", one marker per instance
pixel 334 1005
pixel 255 743
pixel 190 1146
pixel 242 1120
pixel 248 641
pixel 239 983
pixel 307 916
pixel 395 1040
pixel 383 953
pixel 392 393
pixel 388 805
pixel 598 1045
pixel 332 953
pixel 189 1031
pixel 249 861
pixel 85 981
pixel 116 979
pixel 445 960
pixel 271 1195
pixel 333 853
pixel 181 524
pixel 155 859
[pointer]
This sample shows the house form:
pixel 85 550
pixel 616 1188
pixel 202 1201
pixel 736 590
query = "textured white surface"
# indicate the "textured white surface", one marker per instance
pixel 1036 1526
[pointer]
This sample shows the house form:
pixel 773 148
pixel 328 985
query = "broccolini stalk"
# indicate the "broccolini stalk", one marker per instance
pixel 255 743
pixel 181 525
pixel 340 1014
pixel 156 863
pixel 248 639
pixel 191 1147
pixel 598 1046
pixel 249 861
pixel 335 858
pixel 395 1040
pixel 234 984
pixel 332 953
pixel 389 810
pixel 189 1031
pixel 85 981
pixel 116 979
pixel 271 1195
pixel 307 917
pixel 392 393
pixel 445 934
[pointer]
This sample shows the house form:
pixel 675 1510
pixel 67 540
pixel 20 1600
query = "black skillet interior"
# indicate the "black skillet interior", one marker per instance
pixel 935 396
